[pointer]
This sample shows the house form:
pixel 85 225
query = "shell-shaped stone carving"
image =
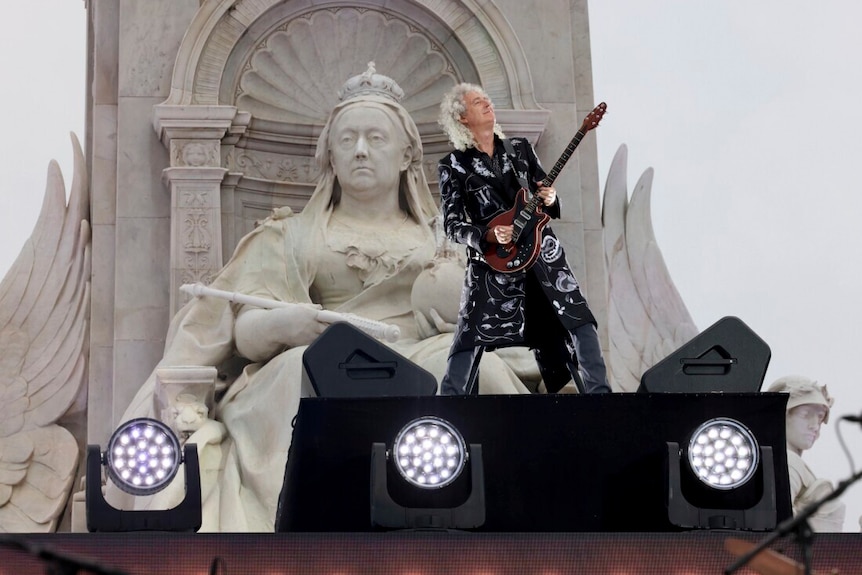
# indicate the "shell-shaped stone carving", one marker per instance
pixel 295 73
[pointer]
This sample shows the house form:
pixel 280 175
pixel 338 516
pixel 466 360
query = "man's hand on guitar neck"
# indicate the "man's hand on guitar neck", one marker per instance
pixel 548 194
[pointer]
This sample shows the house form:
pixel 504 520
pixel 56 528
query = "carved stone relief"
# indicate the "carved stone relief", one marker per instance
pixel 478 43
pixel 184 398
pixel 44 338
pixel 197 233
pixel 195 153
pixel 196 242
pixel 277 84
pixel 271 166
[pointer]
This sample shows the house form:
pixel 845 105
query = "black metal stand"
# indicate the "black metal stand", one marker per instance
pixel 386 513
pixel 102 516
pixel 760 517
pixel 798 525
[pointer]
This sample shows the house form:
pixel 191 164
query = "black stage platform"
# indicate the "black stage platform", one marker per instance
pixel 573 484
pixel 551 463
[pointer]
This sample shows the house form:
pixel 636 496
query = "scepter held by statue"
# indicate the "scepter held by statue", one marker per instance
pixel 378 329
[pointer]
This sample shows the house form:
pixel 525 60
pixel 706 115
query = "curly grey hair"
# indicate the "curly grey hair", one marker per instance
pixel 452 108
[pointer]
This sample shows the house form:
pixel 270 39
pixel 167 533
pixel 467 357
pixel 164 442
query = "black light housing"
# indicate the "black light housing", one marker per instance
pixel 142 458
pixel 429 455
pixel 721 479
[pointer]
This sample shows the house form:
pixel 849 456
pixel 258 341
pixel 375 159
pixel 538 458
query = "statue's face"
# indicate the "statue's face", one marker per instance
pixel 803 426
pixel 368 152
pixel 187 413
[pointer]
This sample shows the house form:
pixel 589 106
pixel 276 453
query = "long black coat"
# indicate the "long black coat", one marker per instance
pixel 497 309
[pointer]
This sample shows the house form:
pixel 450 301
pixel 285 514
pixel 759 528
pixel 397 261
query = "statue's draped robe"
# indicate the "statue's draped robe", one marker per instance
pixel 806 488
pixel 243 452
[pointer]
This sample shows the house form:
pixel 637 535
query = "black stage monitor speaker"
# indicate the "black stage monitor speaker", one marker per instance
pixel 726 357
pixel 345 362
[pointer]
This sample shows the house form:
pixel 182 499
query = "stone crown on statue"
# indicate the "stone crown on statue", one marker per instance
pixel 370 83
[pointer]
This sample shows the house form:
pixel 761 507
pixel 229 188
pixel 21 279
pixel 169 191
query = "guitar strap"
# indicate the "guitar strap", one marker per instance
pixel 510 150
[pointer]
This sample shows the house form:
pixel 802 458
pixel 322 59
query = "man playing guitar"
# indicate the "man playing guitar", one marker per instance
pixel 519 289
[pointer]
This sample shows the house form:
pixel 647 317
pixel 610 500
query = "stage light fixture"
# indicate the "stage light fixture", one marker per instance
pixel 429 455
pixel 142 458
pixel 717 488
pixel 723 453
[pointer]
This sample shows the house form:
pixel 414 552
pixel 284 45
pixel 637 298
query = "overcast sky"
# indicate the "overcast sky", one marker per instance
pixel 43 65
pixel 749 112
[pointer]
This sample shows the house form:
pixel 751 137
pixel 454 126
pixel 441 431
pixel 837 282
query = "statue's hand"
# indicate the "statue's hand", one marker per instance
pixel 441 324
pixel 295 325
pixel 425 329
pixel 262 333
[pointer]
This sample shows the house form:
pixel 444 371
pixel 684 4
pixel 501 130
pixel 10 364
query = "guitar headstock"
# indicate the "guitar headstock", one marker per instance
pixel 593 118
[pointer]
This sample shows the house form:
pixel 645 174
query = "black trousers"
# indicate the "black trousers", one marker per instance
pixel 462 371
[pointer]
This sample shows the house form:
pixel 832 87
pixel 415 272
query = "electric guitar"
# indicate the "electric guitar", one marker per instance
pixel 527 216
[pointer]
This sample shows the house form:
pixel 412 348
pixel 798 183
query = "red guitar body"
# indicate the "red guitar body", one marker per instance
pixel 522 253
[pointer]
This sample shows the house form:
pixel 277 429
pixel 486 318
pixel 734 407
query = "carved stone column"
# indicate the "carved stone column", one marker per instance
pixel 196 247
pixel 194 137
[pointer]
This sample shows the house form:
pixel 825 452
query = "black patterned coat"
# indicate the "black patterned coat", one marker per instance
pixel 497 309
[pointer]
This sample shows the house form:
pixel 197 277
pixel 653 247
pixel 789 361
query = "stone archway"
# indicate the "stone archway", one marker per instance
pixel 480 28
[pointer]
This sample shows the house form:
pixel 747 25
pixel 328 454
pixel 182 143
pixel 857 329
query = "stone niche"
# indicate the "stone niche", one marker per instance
pixel 255 82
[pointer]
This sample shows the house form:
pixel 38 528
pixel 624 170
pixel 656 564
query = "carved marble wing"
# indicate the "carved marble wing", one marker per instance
pixel 44 312
pixel 647 319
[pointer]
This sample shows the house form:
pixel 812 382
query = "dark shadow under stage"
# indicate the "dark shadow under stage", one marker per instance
pixel 413 553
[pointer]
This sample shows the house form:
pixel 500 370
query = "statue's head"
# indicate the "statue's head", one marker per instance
pixel 374 100
pixel 808 408
pixel 187 413
pixel 803 390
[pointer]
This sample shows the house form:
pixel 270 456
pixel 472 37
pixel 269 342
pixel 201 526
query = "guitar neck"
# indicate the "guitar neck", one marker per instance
pixel 525 214
pixel 535 200
pixel 564 158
